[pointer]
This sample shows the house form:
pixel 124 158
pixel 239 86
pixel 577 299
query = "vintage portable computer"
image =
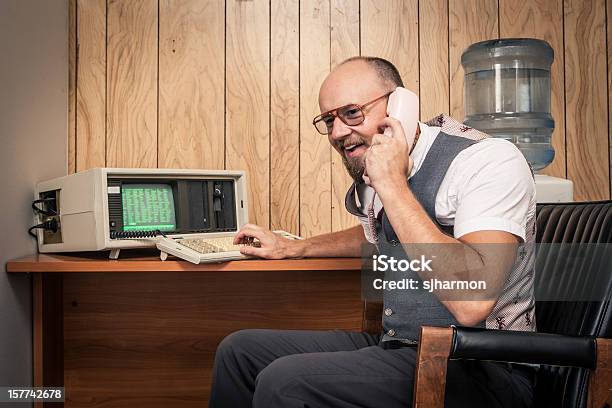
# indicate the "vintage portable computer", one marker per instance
pixel 192 214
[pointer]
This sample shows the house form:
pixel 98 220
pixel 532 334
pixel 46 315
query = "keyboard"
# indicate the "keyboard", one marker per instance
pixel 205 250
pixel 212 245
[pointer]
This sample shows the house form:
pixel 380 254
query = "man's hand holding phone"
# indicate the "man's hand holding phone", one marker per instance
pixel 387 161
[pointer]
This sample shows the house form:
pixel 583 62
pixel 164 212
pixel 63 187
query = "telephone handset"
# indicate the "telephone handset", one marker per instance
pixel 404 106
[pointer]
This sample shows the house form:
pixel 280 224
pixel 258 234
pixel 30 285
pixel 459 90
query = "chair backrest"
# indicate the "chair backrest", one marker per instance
pixel 587 222
pixel 576 223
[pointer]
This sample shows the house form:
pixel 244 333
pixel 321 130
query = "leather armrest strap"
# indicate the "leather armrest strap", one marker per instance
pixel 524 347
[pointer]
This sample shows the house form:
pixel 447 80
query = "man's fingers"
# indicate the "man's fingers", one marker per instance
pixel 248 232
pixel 380 139
pixel 397 132
pixel 240 236
pixel 253 251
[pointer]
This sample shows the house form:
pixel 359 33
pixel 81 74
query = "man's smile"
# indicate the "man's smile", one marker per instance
pixel 355 150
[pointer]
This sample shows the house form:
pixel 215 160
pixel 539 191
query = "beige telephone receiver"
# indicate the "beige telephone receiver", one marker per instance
pixel 403 105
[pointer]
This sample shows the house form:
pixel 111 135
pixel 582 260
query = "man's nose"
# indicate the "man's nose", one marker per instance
pixel 339 129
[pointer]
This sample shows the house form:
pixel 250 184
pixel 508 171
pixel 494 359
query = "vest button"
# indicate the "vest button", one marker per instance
pixel 391 332
pixel 393 242
pixel 388 312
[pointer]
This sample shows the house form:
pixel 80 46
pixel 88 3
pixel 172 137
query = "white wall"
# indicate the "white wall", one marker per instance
pixel 33 140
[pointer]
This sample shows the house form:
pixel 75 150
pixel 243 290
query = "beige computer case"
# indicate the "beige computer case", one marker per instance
pixel 83 207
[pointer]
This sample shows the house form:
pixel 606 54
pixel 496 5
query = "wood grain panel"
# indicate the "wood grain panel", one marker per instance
pixel 389 29
pixel 48 334
pixel 37 335
pixel 433 61
pixel 284 116
pixel 72 52
pixel 609 64
pixel 248 100
pixel 315 150
pixel 191 84
pixel 372 317
pixel 586 99
pixel 300 168
pixel 91 85
pixel 542 19
pixel 344 44
pixel 152 338
pixel 470 21
pixel 132 83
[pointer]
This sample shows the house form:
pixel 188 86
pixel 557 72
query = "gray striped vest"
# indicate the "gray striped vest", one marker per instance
pixel 405 311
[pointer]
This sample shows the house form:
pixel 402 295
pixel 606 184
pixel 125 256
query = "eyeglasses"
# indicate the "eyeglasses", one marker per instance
pixel 350 115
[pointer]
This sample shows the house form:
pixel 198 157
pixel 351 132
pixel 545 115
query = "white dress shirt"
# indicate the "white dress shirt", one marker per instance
pixel 488 186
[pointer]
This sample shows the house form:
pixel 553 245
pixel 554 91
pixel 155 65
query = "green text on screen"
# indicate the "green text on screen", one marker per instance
pixel 148 207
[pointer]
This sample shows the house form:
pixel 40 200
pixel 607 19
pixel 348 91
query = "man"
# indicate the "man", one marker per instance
pixel 461 193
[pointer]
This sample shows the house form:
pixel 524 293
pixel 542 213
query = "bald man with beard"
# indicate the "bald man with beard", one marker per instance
pixel 453 185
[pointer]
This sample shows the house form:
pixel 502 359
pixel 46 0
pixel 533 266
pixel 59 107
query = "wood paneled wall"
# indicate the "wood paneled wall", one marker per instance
pixel 233 84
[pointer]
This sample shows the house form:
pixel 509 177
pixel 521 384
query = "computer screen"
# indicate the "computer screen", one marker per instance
pixel 148 207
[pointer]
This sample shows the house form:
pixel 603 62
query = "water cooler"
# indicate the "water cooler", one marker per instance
pixel 507 95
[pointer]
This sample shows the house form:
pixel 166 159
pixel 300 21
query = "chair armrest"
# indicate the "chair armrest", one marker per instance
pixel 524 347
pixel 430 372
pixel 439 344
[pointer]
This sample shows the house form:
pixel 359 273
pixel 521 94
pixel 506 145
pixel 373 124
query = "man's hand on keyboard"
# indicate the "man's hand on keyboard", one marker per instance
pixel 271 245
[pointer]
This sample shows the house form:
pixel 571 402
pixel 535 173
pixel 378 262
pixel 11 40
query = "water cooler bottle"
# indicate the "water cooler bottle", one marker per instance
pixel 507 95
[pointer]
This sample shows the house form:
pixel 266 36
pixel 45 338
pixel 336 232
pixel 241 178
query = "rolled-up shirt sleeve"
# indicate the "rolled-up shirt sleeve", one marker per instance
pixel 494 189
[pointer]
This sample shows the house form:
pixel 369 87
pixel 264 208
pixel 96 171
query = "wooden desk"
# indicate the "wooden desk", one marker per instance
pixel 139 332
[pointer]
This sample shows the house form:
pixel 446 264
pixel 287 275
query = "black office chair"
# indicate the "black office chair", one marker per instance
pixel 573 339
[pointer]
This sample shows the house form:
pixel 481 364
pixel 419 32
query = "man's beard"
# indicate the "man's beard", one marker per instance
pixel 354 167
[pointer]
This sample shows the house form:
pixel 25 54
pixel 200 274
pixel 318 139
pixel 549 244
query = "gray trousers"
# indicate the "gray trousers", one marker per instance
pixel 295 368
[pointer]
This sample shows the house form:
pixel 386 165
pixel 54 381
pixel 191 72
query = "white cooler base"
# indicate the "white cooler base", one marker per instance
pixel 553 189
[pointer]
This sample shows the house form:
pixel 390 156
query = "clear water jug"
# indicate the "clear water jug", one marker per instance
pixel 507 94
